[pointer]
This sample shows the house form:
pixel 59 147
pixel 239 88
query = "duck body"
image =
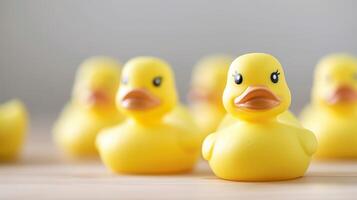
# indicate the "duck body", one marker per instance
pixel 181 116
pixel 13 126
pixel 248 152
pixel 141 149
pixel 336 132
pixel 76 130
pixel 208 117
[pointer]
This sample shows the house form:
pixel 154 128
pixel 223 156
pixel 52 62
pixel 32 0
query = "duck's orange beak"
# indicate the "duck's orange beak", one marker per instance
pixel 97 97
pixel 197 95
pixel 257 98
pixel 343 94
pixel 139 99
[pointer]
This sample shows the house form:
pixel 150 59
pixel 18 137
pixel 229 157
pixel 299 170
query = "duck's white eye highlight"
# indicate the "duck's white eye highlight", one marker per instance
pixel 274 77
pixel 238 78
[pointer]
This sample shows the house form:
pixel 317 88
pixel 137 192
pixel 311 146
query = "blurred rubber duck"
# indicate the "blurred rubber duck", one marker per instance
pixel 91 109
pixel 258 147
pixel 332 113
pixel 157 137
pixel 286 117
pixel 205 96
pixel 13 127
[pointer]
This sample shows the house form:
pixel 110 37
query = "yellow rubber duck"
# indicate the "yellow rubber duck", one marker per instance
pixel 258 147
pixel 91 109
pixel 157 138
pixel 332 114
pixel 13 126
pixel 205 96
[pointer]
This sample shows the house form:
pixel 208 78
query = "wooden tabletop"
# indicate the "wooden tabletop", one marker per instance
pixel 42 173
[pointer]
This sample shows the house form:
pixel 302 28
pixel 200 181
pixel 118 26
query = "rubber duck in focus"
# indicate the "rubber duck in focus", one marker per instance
pixel 258 147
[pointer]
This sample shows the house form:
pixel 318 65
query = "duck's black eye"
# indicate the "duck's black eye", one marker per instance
pixel 157 81
pixel 238 78
pixel 274 77
pixel 124 80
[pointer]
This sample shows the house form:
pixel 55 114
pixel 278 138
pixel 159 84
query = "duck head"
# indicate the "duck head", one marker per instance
pixel 208 80
pixel 256 88
pixel 335 82
pixel 147 89
pixel 96 83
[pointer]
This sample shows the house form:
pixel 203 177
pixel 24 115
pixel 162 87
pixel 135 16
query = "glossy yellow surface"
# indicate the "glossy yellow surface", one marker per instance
pixel 258 147
pixel 13 126
pixel 285 117
pixel 155 140
pixel 207 85
pixel 91 108
pixel 335 124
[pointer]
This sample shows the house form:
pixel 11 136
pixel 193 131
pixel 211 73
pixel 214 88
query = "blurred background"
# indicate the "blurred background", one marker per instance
pixel 43 42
